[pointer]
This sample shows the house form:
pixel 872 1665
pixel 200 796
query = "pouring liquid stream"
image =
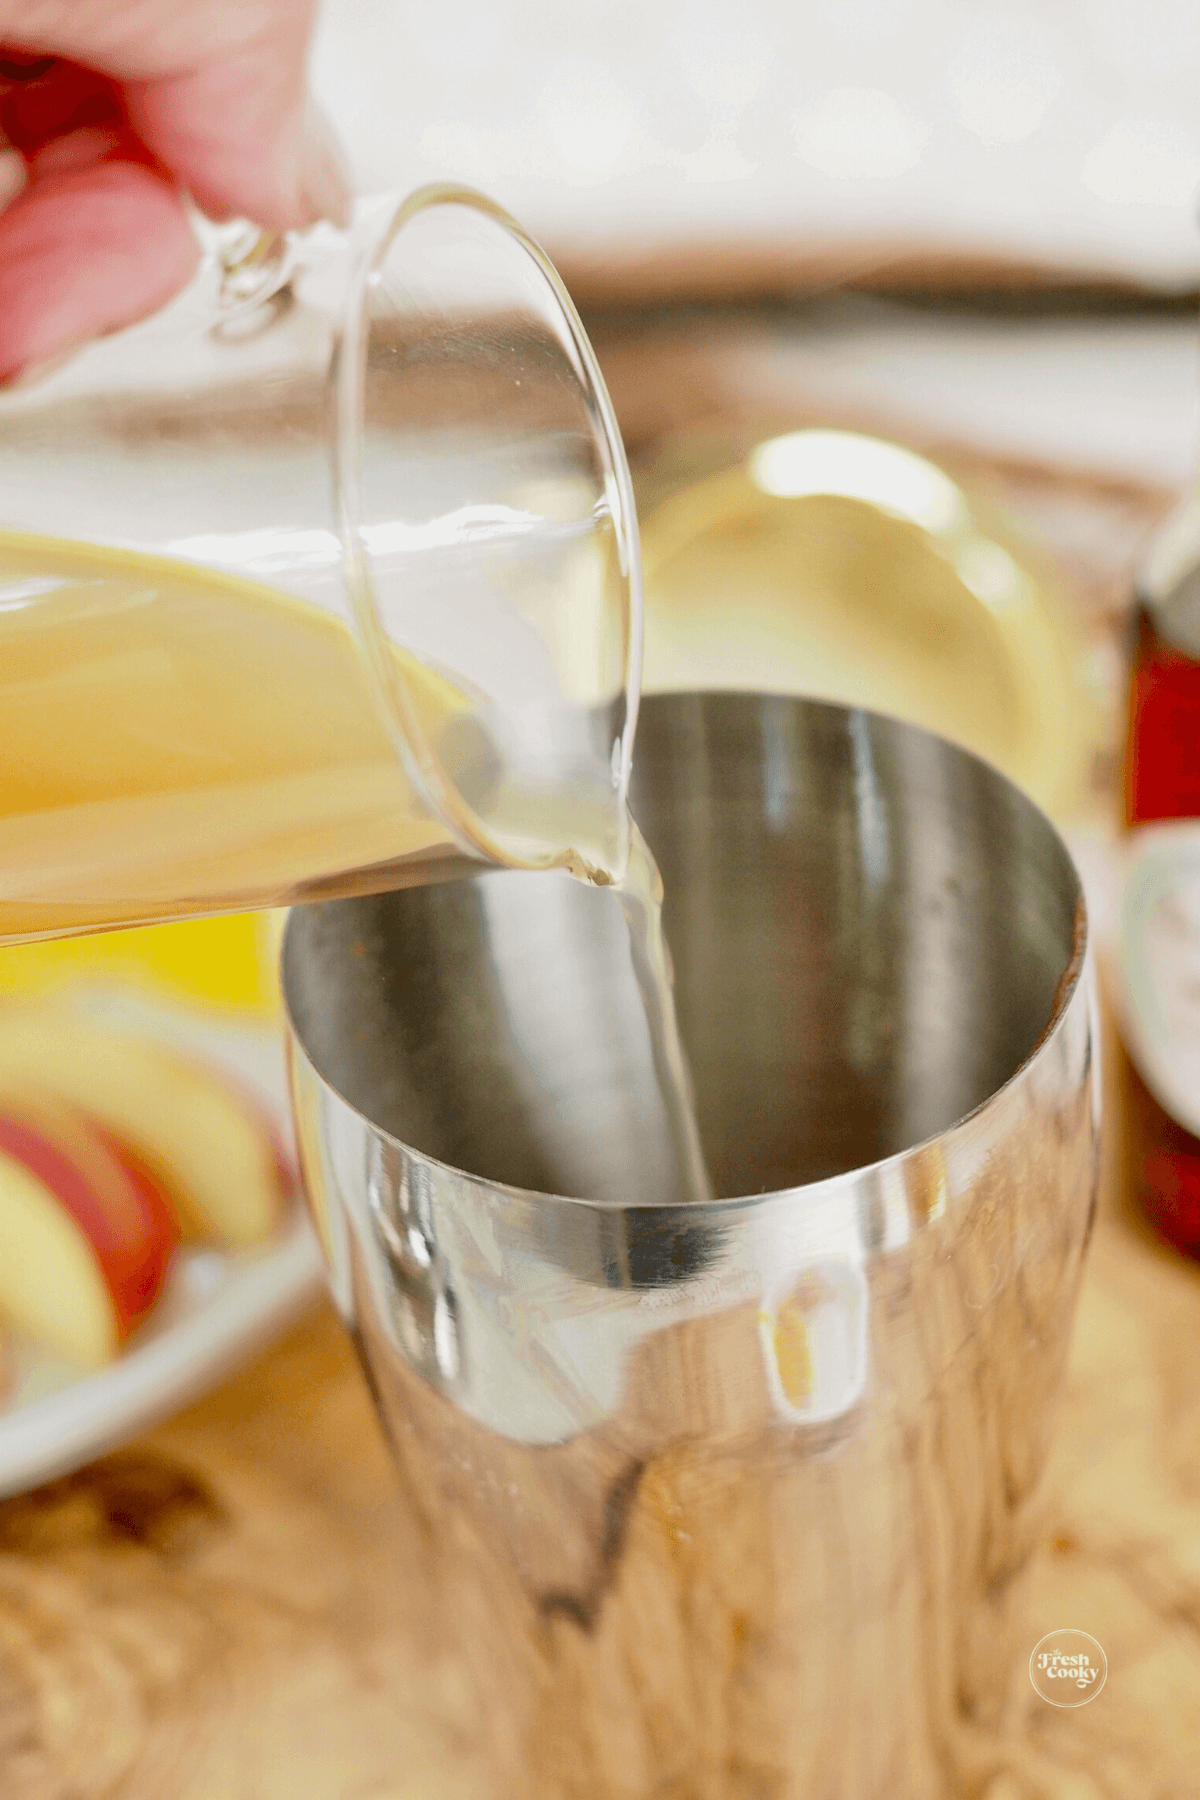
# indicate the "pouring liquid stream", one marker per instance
pixel 641 897
pixel 176 741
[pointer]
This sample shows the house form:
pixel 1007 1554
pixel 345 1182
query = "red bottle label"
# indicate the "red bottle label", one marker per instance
pixel 1162 762
pixel 1162 781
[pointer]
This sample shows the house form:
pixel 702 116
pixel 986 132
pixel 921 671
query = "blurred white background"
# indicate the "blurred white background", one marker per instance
pixel 1063 132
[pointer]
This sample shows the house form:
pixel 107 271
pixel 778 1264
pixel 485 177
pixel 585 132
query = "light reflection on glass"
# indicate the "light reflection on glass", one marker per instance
pixel 858 468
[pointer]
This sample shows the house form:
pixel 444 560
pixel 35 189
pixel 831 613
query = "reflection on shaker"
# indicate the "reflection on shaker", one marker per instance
pixel 814 1341
pixel 422 1304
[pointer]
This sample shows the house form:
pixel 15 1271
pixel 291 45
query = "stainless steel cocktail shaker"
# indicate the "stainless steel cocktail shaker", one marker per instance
pixel 727 1499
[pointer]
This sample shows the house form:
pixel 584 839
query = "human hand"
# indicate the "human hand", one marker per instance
pixel 114 111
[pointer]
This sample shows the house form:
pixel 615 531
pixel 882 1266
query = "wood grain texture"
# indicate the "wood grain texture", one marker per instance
pixel 232 1607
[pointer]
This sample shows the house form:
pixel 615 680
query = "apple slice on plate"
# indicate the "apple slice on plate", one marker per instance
pixel 187 1125
pixel 85 1238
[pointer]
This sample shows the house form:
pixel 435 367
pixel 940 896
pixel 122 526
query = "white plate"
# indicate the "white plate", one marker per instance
pixel 218 1306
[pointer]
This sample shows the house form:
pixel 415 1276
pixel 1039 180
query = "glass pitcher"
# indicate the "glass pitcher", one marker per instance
pixel 323 580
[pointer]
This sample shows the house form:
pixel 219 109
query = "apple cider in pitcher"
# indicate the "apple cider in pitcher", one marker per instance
pixel 174 740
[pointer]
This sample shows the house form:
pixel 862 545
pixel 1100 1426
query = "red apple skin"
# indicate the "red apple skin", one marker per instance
pixel 159 1220
pixel 132 1235
pixel 234 1193
pixel 287 1178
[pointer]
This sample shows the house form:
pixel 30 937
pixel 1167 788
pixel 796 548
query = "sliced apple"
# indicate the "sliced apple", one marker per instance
pixel 83 1249
pixel 194 1132
pixel 159 1219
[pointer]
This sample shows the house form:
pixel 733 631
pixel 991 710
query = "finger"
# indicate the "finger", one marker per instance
pixel 81 149
pixel 217 93
pixel 282 172
pixel 85 251
pixel 241 134
pixel 13 175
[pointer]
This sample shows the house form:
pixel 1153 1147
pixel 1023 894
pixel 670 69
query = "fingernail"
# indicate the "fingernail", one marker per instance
pixel 80 149
pixel 324 181
pixel 13 175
